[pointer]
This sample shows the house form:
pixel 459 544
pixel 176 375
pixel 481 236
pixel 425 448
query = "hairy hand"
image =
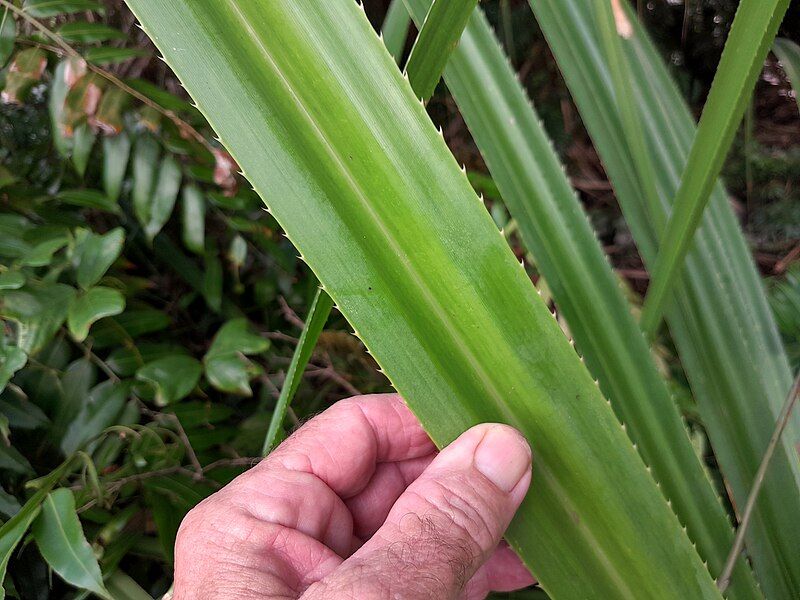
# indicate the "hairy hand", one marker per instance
pixel 358 504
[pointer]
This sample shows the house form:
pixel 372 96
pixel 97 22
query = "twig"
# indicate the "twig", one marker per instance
pixel 289 314
pixel 110 77
pixel 738 543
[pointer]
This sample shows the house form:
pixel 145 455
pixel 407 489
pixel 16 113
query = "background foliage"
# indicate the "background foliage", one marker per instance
pixel 150 305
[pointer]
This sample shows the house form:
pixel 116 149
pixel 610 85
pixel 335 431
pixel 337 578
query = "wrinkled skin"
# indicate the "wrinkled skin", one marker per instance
pixel 359 504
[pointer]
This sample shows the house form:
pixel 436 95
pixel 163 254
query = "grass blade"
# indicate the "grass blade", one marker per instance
pixel 554 227
pixel 789 54
pixel 317 317
pixel 395 233
pixel 720 321
pixel 395 28
pixel 438 37
pixel 753 30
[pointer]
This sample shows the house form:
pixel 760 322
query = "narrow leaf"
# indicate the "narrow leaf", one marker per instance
pixel 8 34
pixel 437 38
pixel 749 40
pixel 395 28
pixel 739 374
pixel 164 196
pixel 315 322
pixel 384 215
pixel 87 33
pixel 82 144
pixel 116 150
pixel 88 199
pixel 554 227
pixel 52 8
pixel 109 55
pixel 193 212
pixel 145 159
pixel 788 54
pixel 59 536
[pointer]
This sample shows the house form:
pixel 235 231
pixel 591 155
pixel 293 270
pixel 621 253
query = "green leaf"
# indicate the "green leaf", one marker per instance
pixel 101 410
pixel 438 37
pixel 237 253
pixel 42 253
pixel 212 281
pixel 25 71
pixel 11 280
pixel 95 253
pixel 88 199
pixel 9 506
pixel 387 220
pixel 108 55
pixel 39 310
pixel 88 33
pixel 395 28
pixel 164 196
pixel 749 40
pixel 59 536
pixel 116 150
pixel 122 587
pixel 193 218
pixel 127 326
pixel 226 363
pixel 12 359
pixel 22 414
pixel 315 322
pixel 555 229
pixel 82 144
pixel 52 8
pixel 788 54
pixel 12 461
pixel 145 157
pixel 8 35
pixel 92 305
pixel 109 117
pixel 173 377
pixel 719 320
pixel 55 104
pixel 13 530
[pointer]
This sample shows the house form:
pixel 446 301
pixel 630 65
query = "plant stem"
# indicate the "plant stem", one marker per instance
pixel 738 543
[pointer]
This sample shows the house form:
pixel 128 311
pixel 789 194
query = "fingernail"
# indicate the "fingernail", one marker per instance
pixel 503 456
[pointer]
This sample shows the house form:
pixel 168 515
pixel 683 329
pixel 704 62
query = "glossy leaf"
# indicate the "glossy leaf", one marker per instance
pixel 788 54
pixel 164 196
pixel 719 320
pixel 116 151
pixel 102 408
pixel 193 212
pixel 88 199
pixel 90 306
pixel 11 280
pixel 749 40
pixel 41 254
pixel 52 8
pixel 315 322
pixel 587 292
pixel 109 55
pixel 86 32
pixel 82 145
pixel 59 536
pixel 8 34
pixel 438 36
pixel 227 367
pixel 395 28
pixel 122 587
pixel 390 224
pixel 39 311
pixel 13 530
pixel 12 359
pixel 95 253
pixel 172 377
pixel 55 104
pixel 145 164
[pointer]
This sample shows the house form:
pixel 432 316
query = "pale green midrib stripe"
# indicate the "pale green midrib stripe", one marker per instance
pixel 426 294
pixel 63 535
pixel 538 181
pixel 494 392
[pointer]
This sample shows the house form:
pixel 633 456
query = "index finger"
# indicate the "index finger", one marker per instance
pixel 343 445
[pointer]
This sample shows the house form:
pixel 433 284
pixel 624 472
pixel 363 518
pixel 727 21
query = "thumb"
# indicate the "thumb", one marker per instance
pixel 444 526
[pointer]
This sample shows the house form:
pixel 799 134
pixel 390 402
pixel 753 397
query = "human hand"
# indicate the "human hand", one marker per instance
pixel 358 504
